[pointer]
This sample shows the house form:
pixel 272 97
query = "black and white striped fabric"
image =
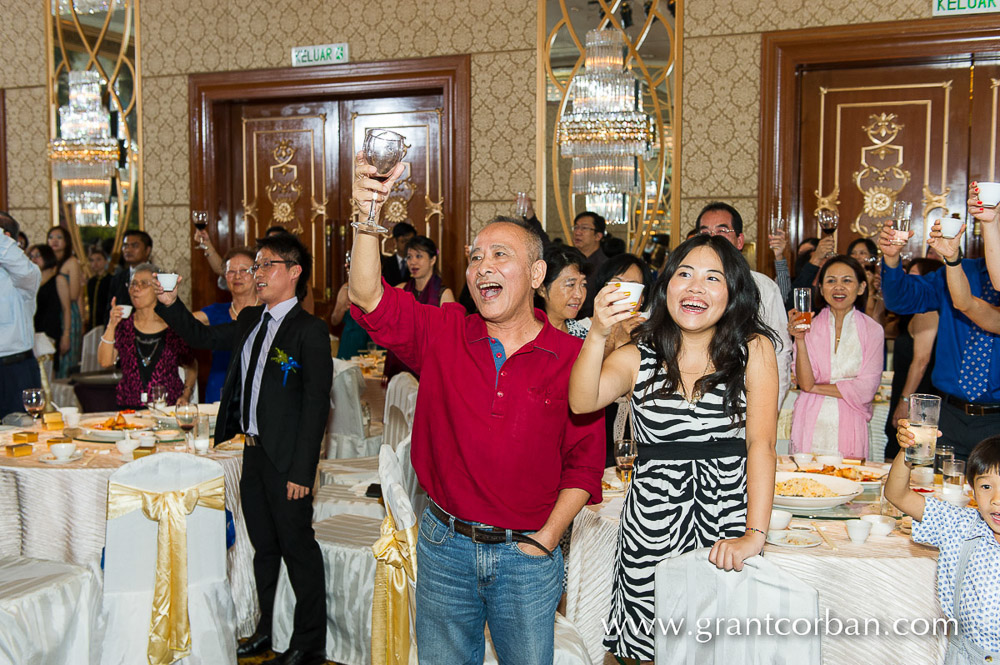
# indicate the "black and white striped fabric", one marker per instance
pixel 673 505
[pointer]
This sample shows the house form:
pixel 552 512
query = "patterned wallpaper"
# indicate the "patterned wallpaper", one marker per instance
pixel 721 96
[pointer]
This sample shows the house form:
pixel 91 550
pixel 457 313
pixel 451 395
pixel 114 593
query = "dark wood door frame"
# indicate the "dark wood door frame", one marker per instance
pixel 784 54
pixel 448 75
pixel 3 151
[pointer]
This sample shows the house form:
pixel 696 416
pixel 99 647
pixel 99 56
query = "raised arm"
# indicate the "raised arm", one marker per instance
pixel 983 314
pixel 217 338
pixel 365 279
pixel 23 273
pixel 106 352
pixel 340 307
pixel 897 484
pixel 991 232
pixel 593 384
pixel 215 261
pixel 923 330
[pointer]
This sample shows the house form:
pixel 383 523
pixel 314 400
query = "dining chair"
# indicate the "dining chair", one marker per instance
pixel 396 426
pixel 402 393
pixel 88 355
pixel 176 499
pixel 345 428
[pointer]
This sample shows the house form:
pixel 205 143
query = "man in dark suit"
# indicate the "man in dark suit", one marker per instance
pixel 394 267
pixel 137 247
pixel 277 392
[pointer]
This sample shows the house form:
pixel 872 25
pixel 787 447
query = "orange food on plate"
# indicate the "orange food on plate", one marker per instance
pixel 118 424
pixel 857 475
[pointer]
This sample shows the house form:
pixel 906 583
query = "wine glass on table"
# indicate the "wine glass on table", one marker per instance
pixel 200 220
pixel 383 149
pixel 828 221
pixel 34 401
pixel 187 417
pixel 625 454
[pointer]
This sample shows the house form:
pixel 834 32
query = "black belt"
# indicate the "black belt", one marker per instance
pixel 251 440
pixel 971 409
pixel 17 357
pixel 683 451
pixel 487 535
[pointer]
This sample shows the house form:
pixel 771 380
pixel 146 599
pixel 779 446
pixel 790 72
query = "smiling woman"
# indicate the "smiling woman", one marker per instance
pixel 838 363
pixel 564 288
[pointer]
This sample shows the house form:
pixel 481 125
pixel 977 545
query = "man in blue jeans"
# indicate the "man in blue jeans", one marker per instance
pixel 494 444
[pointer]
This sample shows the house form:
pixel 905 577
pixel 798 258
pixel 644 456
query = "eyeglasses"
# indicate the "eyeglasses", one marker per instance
pixel 140 284
pixel 237 273
pixel 717 231
pixel 577 227
pixel 266 265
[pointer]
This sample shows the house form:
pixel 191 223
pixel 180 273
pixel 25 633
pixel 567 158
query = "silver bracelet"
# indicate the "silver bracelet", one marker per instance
pixel 104 341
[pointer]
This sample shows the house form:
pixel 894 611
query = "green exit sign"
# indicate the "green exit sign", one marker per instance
pixel 321 54
pixel 962 7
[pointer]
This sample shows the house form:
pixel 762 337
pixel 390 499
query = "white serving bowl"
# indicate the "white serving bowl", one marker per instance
pixel 845 490
pixel 803 458
pixel 882 525
pixel 780 520
pixel 830 460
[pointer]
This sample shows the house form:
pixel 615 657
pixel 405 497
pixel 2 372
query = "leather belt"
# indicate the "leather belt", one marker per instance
pixel 488 535
pixel 972 409
pixel 251 440
pixel 17 357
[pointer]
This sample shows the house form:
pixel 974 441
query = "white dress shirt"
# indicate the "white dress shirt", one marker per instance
pixel 277 313
pixel 772 310
pixel 19 282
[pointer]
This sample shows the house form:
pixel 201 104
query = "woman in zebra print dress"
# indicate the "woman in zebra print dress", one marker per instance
pixel 703 380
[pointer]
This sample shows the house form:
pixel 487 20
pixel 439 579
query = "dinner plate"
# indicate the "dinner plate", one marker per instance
pixel 90 429
pixel 51 459
pixel 844 489
pixel 795 538
pixel 815 468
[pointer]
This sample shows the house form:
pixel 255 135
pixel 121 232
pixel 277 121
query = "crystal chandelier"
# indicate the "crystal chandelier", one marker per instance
pixel 607 131
pixel 66 7
pixel 85 157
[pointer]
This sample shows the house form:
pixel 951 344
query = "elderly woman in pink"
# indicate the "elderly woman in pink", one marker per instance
pixel 838 364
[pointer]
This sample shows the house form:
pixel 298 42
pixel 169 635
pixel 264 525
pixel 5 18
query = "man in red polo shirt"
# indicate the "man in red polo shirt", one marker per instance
pixel 494 444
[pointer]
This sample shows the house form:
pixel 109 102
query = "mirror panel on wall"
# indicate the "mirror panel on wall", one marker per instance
pixel 609 116
pixel 94 106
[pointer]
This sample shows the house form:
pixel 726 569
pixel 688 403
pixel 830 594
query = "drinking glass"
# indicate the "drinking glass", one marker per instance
pixel 200 220
pixel 803 303
pixel 924 413
pixel 383 149
pixel 777 225
pixel 954 480
pixel 901 212
pixel 625 454
pixel 34 401
pixel 521 207
pixel 157 396
pixel 942 453
pixel 202 433
pixel 187 417
pixel 828 222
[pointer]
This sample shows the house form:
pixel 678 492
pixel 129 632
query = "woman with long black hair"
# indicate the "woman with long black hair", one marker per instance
pixel 703 383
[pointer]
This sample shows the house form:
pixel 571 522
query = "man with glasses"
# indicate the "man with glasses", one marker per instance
pixel 19 282
pixel 588 231
pixel 137 247
pixel 277 393
pixel 721 219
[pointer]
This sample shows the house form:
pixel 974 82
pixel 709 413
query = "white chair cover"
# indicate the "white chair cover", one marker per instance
pixel 348 471
pixel 49 612
pixel 418 497
pixel 690 589
pixel 396 426
pixel 88 357
pixel 333 500
pixel 130 563
pixel 389 468
pixel 402 393
pixel 345 428
pixel 349 577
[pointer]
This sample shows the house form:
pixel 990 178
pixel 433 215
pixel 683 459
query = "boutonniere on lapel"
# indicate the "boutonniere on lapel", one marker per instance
pixel 285 362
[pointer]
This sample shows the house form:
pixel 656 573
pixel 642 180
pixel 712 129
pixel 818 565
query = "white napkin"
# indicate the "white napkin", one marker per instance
pixel 612 508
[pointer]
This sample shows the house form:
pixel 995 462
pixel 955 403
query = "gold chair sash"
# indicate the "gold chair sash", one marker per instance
pixel 169 627
pixel 395 564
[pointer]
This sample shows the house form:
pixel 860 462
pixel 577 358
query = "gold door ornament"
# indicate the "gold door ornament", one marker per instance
pixel 882 177
pixel 284 189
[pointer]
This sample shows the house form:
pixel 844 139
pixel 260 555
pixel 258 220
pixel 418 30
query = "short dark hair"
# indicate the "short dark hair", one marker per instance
pixel 559 257
pixel 812 240
pixel 612 246
pixel 924 265
pixel 146 239
pixel 600 224
pixel 96 248
pixel 239 251
pixel 867 242
pixel 984 459
pixel 422 244
pixel 859 274
pixel 536 246
pixel 290 248
pixel 9 225
pixel 47 254
pixel 403 229
pixel 617 265
pixel 724 207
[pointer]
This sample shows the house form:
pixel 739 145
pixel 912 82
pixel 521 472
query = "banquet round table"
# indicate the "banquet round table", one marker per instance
pixel 58 511
pixel 886 579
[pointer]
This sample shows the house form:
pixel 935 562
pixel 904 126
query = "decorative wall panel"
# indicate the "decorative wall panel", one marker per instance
pixel 166 140
pixel 27 148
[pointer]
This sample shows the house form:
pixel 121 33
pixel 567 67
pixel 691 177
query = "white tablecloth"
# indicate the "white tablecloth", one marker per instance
pixel 49 612
pixel 876 427
pixel 886 579
pixel 58 512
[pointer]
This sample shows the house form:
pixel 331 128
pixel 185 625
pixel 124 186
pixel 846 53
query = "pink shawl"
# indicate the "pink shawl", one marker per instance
pixel 855 409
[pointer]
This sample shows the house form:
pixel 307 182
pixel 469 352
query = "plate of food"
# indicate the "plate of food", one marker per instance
pixel 794 538
pixel 795 489
pixel 114 428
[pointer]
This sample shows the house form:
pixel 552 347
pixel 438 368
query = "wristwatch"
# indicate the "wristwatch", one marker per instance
pixel 957 261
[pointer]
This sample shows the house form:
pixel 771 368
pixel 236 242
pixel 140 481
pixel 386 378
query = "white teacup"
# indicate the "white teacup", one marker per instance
pixel 62 451
pixel 950 227
pixel 146 439
pixel 882 525
pixel 803 458
pixel 830 460
pixel 858 530
pixel 780 519
pixel 72 419
pixel 126 311
pixel 67 410
pixel 633 292
pixel 168 280
pixel 989 193
pixel 127 445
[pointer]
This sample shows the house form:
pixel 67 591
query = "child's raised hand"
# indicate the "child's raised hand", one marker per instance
pixel 904 435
